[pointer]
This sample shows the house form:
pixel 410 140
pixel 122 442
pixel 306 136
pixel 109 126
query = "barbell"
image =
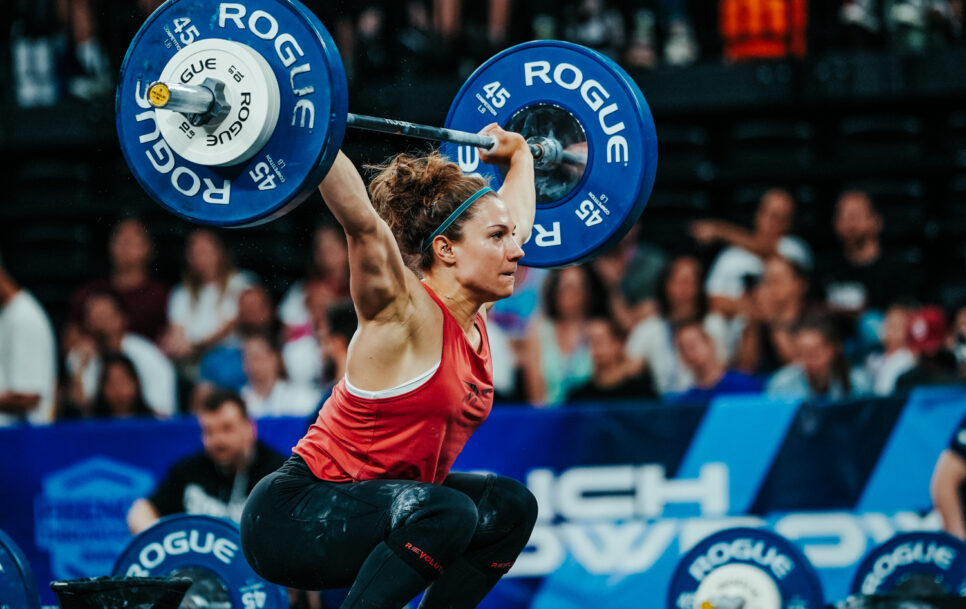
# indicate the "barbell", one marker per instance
pixel 230 114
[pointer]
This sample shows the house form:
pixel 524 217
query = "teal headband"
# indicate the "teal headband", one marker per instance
pixel 453 216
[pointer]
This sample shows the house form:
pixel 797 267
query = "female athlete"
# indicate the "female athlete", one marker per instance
pixel 367 501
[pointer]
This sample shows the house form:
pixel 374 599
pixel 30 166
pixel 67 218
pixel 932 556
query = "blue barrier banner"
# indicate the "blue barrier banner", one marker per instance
pixel 624 491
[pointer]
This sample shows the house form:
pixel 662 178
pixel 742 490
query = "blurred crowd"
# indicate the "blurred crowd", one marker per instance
pixel 743 310
pixel 73 48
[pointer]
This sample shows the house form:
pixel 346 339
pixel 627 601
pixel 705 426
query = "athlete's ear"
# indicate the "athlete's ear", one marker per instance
pixel 443 248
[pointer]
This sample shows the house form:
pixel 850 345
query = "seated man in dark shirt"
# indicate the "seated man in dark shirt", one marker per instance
pixel 863 274
pixel 217 480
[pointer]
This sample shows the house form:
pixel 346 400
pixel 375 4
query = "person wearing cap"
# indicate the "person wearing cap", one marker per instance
pixel 935 364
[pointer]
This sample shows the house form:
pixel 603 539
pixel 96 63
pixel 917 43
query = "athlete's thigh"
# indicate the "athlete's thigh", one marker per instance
pixel 503 504
pixel 320 533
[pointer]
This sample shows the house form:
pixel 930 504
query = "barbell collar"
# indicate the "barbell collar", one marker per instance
pixel 187 99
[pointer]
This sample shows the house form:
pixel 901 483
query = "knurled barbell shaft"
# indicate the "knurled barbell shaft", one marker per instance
pixel 441 134
pixel 195 99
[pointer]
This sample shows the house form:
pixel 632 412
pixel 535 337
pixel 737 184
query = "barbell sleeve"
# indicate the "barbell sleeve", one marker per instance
pixel 196 99
pixel 187 99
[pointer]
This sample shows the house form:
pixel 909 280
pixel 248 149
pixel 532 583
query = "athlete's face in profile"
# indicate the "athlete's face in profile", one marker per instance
pixel 487 255
pixel 227 435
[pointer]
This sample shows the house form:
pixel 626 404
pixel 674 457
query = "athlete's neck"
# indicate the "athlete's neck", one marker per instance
pixel 457 302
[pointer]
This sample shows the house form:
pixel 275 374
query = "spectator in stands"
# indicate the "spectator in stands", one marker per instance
pixel 746 251
pixel 515 314
pixel 896 358
pixel 94 78
pixel 217 480
pixel 222 365
pixel 327 278
pixel 680 45
pixel 119 392
pixel 712 377
pixel 861 275
pixel 202 310
pixel 334 338
pixel 256 313
pixel 596 24
pixel 820 369
pixel 28 358
pixel 302 352
pixel 632 271
pixel 928 339
pixel 105 331
pixel 651 342
pixel 142 297
pixel 452 23
pixel 615 376
pixel 508 323
pixel 915 25
pixel 946 486
pixel 268 391
pixel 775 306
pixel 556 357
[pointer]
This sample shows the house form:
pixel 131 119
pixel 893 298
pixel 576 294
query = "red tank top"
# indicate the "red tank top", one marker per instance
pixel 413 436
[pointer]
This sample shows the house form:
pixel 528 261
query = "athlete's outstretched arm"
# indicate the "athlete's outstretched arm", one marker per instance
pixel 948 475
pixel 377 274
pixel 518 190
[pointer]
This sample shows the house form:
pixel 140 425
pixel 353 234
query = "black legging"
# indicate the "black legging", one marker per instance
pixel 387 539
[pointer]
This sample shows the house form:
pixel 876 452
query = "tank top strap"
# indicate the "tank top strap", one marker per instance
pixel 438 300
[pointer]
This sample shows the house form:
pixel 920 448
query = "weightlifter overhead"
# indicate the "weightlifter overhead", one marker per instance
pixel 368 500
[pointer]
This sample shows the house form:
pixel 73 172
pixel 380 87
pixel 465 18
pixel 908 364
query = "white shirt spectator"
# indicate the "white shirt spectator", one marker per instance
pixel 503 358
pixel 159 383
pixel 652 340
pixel 28 358
pixel 727 273
pixel 292 309
pixel 884 369
pixel 210 311
pixel 303 360
pixel 285 399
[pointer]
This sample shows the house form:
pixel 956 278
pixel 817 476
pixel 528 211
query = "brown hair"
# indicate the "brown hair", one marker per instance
pixel 825 327
pixel 217 398
pixel 414 195
pixel 226 268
